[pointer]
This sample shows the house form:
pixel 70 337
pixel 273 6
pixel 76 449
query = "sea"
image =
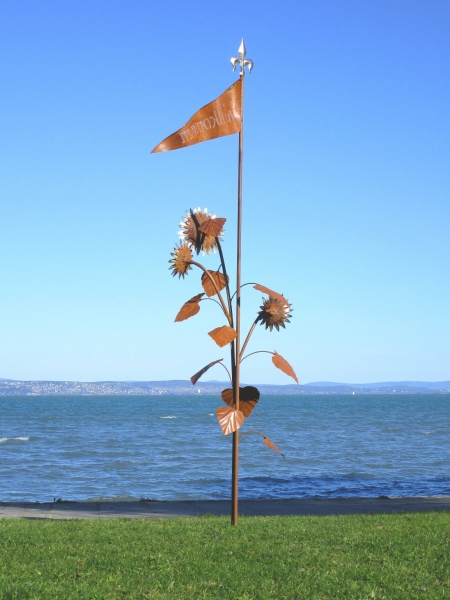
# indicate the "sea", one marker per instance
pixel 171 447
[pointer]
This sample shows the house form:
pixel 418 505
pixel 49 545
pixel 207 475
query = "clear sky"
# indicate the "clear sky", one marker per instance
pixel 346 185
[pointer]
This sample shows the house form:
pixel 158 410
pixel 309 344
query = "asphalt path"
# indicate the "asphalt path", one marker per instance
pixel 196 508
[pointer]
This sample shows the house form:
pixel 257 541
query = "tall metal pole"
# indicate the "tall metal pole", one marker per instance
pixel 235 465
pixel 236 379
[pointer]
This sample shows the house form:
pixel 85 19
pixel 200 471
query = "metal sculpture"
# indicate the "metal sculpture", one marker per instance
pixel 203 232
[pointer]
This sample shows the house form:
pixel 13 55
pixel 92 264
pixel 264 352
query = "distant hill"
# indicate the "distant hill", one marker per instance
pixel 429 385
pixel 9 387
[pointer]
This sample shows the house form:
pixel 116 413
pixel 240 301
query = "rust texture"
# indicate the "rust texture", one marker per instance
pixel 220 117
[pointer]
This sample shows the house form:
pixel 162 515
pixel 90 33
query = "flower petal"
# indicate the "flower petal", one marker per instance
pixel 212 226
pixel 229 419
pixel 272 446
pixel 197 376
pixel 219 280
pixel 282 364
pixel 189 308
pixel 223 335
pixel 248 399
pixel 266 290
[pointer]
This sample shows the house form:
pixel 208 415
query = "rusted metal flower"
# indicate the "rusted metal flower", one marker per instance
pixel 199 230
pixel 182 257
pixel 274 313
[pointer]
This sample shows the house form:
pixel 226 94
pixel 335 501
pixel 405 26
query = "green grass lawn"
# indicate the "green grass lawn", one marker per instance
pixel 359 557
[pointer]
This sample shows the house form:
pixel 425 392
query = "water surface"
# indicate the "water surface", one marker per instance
pixel 171 447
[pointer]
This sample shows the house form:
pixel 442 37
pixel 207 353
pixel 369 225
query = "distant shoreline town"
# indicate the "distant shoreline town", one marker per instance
pixel 9 387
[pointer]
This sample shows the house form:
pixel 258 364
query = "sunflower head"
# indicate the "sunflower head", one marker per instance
pixel 274 313
pixel 181 259
pixel 192 236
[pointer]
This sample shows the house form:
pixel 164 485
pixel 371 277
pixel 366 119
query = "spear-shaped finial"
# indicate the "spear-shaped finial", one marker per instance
pixel 242 61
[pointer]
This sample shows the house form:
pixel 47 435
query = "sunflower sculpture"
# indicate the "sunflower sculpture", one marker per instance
pixel 203 232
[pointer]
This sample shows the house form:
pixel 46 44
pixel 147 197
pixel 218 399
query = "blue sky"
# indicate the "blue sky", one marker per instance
pixel 346 185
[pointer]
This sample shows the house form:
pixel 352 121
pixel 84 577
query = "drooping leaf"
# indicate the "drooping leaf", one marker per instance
pixel 197 376
pixel 248 399
pixel 272 446
pixel 223 335
pixel 189 308
pixel 229 419
pixel 266 290
pixel 282 363
pixel 212 226
pixel 219 280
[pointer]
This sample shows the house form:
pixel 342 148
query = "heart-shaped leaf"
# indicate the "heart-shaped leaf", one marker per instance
pixel 223 335
pixel 230 419
pixel 248 399
pixel 266 290
pixel 212 226
pixel 272 446
pixel 219 280
pixel 282 363
pixel 189 308
pixel 197 376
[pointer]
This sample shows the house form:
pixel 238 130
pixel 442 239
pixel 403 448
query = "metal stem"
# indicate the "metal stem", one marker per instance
pixel 212 300
pixel 230 309
pixel 257 352
pixel 252 431
pixel 235 457
pixel 229 375
pixel 243 285
pixel 247 339
pixel 224 269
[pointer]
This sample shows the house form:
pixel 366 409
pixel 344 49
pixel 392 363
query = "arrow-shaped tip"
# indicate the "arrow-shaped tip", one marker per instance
pixel 242 51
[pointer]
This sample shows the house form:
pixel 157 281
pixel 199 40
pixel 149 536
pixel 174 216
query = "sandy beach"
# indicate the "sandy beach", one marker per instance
pixel 164 510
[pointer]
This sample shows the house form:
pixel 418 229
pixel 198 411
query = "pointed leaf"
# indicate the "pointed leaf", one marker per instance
pixel 212 226
pixel 189 308
pixel 223 335
pixel 282 363
pixel 230 419
pixel 272 446
pixel 197 376
pixel 276 295
pixel 248 399
pixel 219 280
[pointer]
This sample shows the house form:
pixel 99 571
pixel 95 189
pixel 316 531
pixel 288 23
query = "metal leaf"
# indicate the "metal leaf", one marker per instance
pixel 219 280
pixel 197 376
pixel 230 419
pixel 282 363
pixel 266 290
pixel 212 226
pixel 223 335
pixel 189 308
pixel 272 446
pixel 248 399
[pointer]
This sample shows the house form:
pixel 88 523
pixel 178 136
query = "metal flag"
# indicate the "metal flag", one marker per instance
pixel 220 117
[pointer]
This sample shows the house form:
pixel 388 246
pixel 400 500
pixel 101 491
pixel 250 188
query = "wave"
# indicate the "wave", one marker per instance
pixel 20 439
pixel 119 498
pixel 167 417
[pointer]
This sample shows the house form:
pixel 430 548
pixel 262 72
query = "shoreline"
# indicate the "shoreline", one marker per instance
pixel 66 510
